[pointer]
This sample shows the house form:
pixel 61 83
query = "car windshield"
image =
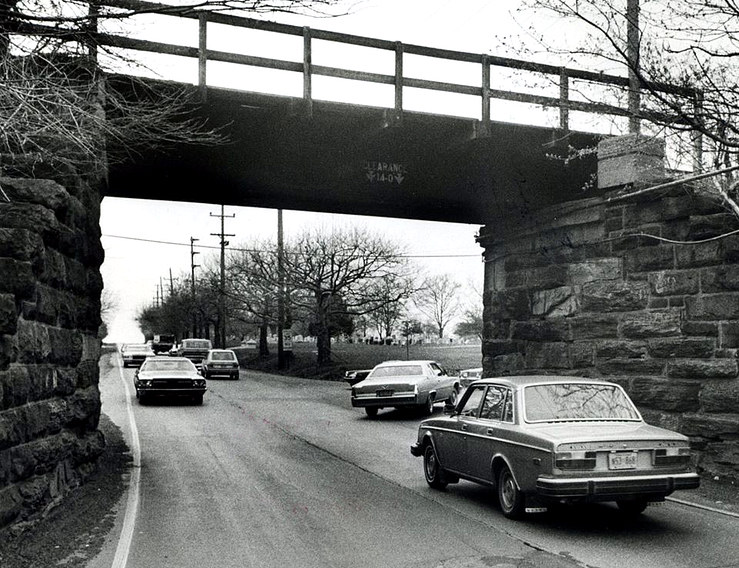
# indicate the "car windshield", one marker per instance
pixel 577 401
pixel 167 366
pixel 222 356
pixel 397 370
pixel 196 344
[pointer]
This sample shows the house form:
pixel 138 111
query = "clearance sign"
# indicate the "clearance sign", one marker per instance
pixel 385 172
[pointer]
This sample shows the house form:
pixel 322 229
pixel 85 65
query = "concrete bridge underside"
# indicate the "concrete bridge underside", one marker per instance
pixel 351 159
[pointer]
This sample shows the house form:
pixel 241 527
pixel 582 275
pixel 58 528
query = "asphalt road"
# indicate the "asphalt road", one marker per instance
pixel 274 471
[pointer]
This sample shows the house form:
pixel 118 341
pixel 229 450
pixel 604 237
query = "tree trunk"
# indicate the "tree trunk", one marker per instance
pixel 263 332
pixel 323 343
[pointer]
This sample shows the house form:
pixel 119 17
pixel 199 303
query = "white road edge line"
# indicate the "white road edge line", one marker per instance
pixel 704 507
pixel 132 503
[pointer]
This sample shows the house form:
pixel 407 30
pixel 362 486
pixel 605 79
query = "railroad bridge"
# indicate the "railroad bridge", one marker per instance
pixel 583 273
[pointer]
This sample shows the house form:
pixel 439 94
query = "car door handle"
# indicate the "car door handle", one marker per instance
pixel 464 426
pixel 489 431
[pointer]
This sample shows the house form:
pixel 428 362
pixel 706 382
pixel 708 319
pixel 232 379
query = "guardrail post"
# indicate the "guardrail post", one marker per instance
pixel 202 55
pixel 398 117
pixel 564 100
pixel 485 118
pixel 307 72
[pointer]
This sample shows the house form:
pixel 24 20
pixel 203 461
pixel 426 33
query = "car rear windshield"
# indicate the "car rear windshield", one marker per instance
pixel 398 370
pixel 204 344
pixel 224 356
pixel 577 401
pixel 167 366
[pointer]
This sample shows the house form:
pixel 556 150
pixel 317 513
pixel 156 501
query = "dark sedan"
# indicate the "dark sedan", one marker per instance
pixel 171 377
pixel 544 440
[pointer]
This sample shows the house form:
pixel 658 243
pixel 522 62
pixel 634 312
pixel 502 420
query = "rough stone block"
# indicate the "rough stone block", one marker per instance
pixel 541 330
pixel 630 159
pixel 729 338
pixel 493 348
pixel 511 364
pixel 34 345
pixel 11 504
pixel 594 326
pixel 719 279
pixel 594 270
pixel 547 356
pixel 642 367
pixel 35 218
pixel 66 346
pixel 708 226
pixel 711 425
pixel 685 347
pixel 650 258
pixel 614 296
pixel 17 278
pixel 8 314
pixel 20 244
pixel 701 328
pixel 676 396
pixel 716 307
pixel 582 354
pixel 674 282
pixel 651 324
pixel 701 369
pixel 556 303
pixel 719 397
pixel 621 349
pixel 703 254
pixel 512 304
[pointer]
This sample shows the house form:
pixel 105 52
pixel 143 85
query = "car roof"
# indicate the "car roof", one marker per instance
pixel 527 380
pixel 396 363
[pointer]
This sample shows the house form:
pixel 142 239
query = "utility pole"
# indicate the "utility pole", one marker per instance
pixel 222 295
pixel 171 283
pixel 281 359
pixel 192 285
pixel 632 54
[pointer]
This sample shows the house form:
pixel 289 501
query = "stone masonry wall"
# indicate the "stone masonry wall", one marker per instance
pixel 580 290
pixel 50 284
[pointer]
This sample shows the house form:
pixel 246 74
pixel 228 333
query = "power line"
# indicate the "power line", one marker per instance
pixel 238 249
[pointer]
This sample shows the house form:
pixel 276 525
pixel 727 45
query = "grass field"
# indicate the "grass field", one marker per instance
pixel 347 356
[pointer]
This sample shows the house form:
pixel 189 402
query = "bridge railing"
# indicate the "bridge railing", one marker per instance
pixel 563 77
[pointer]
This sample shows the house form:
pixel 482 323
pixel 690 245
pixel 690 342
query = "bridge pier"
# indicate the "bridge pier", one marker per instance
pixel 50 284
pixel 608 287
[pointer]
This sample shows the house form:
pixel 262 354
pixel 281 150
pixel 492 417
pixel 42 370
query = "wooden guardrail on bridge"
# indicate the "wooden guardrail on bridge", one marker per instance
pixel 561 76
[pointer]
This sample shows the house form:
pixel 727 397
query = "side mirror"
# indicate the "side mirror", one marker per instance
pixel 449 407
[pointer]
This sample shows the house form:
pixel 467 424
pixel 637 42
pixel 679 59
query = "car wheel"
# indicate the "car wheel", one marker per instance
pixel 512 501
pixel 632 507
pixel 432 470
pixel 454 396
pixel 371 411
pixel 428 408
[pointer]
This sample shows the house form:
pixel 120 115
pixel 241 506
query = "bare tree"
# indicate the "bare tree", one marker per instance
pixel 58 114
pixel 343 267
pixel 438 300
pixel 394 290
pixel 686 66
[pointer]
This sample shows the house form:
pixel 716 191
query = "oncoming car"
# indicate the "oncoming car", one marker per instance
pixel 542 440
pixel 220 363
pixel 169 376
pixel 466 376
pixel 398 384
pixel 135 353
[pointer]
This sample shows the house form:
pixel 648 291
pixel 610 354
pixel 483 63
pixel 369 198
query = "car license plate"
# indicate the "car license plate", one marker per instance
pixel 384 393
pixel 622 460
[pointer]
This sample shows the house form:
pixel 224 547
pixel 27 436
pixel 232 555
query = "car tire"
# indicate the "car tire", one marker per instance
pixel 428 407
pixel 632 507
pixel 432 470
pixel 143 399
pixel 454 397
pixel 371 411
pixel 512 501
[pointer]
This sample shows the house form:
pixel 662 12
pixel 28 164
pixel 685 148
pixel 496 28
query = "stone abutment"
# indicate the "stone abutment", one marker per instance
pixel 50 284
pixel 641 291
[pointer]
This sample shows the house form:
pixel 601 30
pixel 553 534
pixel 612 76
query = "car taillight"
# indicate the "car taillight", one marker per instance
pixel 574 460
pixel 671 457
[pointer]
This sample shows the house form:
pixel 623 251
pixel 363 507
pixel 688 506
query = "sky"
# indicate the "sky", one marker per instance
pixel 145 240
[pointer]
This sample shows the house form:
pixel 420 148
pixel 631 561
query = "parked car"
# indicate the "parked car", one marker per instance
pixel 194 349
pixel 541 440
pixel 466 376
pixel 169 376
pixel 220 363
pixel 135 353
pixel 353 377
pixel 400 384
